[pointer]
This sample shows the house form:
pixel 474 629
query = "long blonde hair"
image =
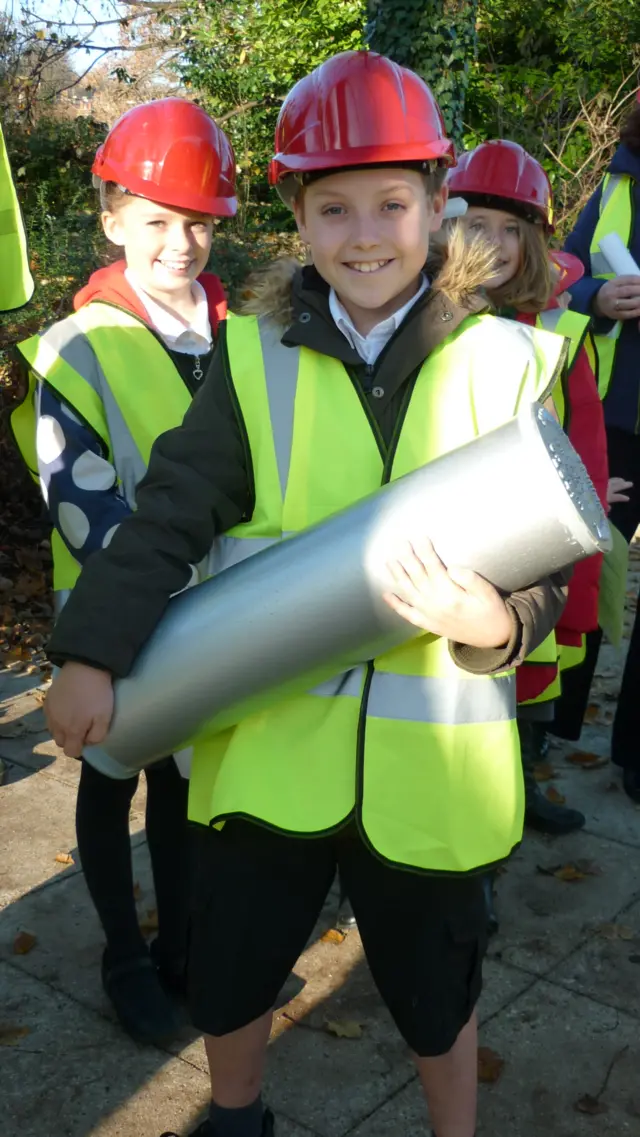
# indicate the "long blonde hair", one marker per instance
pixel 531 288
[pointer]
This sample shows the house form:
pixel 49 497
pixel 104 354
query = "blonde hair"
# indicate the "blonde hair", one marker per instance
pixel 531 288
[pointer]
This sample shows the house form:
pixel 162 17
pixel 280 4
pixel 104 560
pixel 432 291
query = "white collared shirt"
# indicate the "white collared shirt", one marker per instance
pixel 369 347
pixel 194 338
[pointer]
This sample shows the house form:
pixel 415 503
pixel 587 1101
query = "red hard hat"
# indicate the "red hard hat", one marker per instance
pixel 358 109
pixel 504 172
pixel 171 151
pixel 569 268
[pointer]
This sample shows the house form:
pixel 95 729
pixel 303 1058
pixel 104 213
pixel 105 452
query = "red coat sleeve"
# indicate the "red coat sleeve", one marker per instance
pixel 587 434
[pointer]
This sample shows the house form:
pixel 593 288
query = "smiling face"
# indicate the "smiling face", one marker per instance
pixel 368 231
pixel 503 231
pixel 166 248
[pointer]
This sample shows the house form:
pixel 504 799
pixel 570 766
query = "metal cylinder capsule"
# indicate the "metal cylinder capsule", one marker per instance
pixel 515 505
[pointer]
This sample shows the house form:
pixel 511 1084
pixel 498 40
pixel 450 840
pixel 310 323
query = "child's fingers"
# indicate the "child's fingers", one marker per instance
pixel 72 743
pixel 403 609
pixel 98 731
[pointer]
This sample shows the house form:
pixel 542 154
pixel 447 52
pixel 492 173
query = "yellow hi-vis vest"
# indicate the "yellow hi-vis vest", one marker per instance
pixel 574 327
pixel 616 216
pixel 16 282
pixel 424 754
pixel 116 376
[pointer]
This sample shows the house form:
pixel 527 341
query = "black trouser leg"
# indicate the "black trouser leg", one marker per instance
pixel 166 823
pixel 102 828
pixel 624 462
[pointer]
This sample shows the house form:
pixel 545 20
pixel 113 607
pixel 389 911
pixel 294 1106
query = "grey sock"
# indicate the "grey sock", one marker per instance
pixel 243 1122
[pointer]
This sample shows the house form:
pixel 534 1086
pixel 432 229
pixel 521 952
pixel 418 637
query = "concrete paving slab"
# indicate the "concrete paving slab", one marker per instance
pixel 607 967
pixel 13 683
pixel 597 792
pixel 345 1079
pixel 69 940
pixel 37 823
pixel 557 1047
pixel 542 918
pixel 74 1075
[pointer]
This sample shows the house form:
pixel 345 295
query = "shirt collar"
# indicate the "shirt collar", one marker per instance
pixel 370 346
pixel 194 338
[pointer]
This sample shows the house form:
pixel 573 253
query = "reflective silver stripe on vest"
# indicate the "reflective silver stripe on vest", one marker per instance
pixel 613 181
pixel 69 341
pixel 281 366
pixel 452 700
pixel 551 318
pixel 229 551
pixel 348 683
pixel 449 700
pixel 599 263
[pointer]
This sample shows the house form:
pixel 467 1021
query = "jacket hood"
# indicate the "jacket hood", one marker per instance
pixel 624 161
pixel 458 272
pixel 111 286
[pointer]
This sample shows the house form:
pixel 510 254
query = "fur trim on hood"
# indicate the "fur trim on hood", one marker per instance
pixel 459 270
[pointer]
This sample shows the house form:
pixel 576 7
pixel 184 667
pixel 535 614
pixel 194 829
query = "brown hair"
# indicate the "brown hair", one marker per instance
pixel 630 133
pixel 531 288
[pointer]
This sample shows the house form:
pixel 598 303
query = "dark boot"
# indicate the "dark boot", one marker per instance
pixel 171 970
pixel 539 813
pixel 631 784
pixel 493 924
pixel 207 1130
pixel 143 1008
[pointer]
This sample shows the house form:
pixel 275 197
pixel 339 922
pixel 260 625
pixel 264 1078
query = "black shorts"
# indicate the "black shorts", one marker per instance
pixel 257 896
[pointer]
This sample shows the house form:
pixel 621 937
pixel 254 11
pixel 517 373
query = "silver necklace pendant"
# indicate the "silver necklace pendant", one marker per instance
pixel 197 370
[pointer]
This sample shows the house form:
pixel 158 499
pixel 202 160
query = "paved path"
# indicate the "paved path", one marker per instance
pixel 561 1001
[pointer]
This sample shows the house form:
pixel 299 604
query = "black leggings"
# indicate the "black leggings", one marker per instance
pixel 102 827
pixel 624 462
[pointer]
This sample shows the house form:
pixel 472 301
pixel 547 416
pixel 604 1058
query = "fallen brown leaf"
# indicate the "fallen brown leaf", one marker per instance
pixel 343 1028
pixel 587 760
pixel 592 712
pixel 570 874
pixel 65 859
pixel 554 795
pixel 24 943
pixel 543 772
pixel 490 1065
pixel 333 936
pixel 137 891
pixel 150 923
pixel 10 1034
pixel 589 1104
pixel 615 931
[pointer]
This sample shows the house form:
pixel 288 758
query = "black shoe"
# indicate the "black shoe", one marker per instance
pixel 143 1008
pixel 346 921
pixel 172 971
pixel 206 1129
pixel 548 817
pixel 631 784
pixel 539 813
pixel 493 924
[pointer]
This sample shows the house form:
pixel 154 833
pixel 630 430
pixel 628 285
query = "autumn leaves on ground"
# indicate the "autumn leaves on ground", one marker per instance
pixel 560 1014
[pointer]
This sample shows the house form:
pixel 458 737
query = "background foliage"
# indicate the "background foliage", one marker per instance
pixel 556 75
